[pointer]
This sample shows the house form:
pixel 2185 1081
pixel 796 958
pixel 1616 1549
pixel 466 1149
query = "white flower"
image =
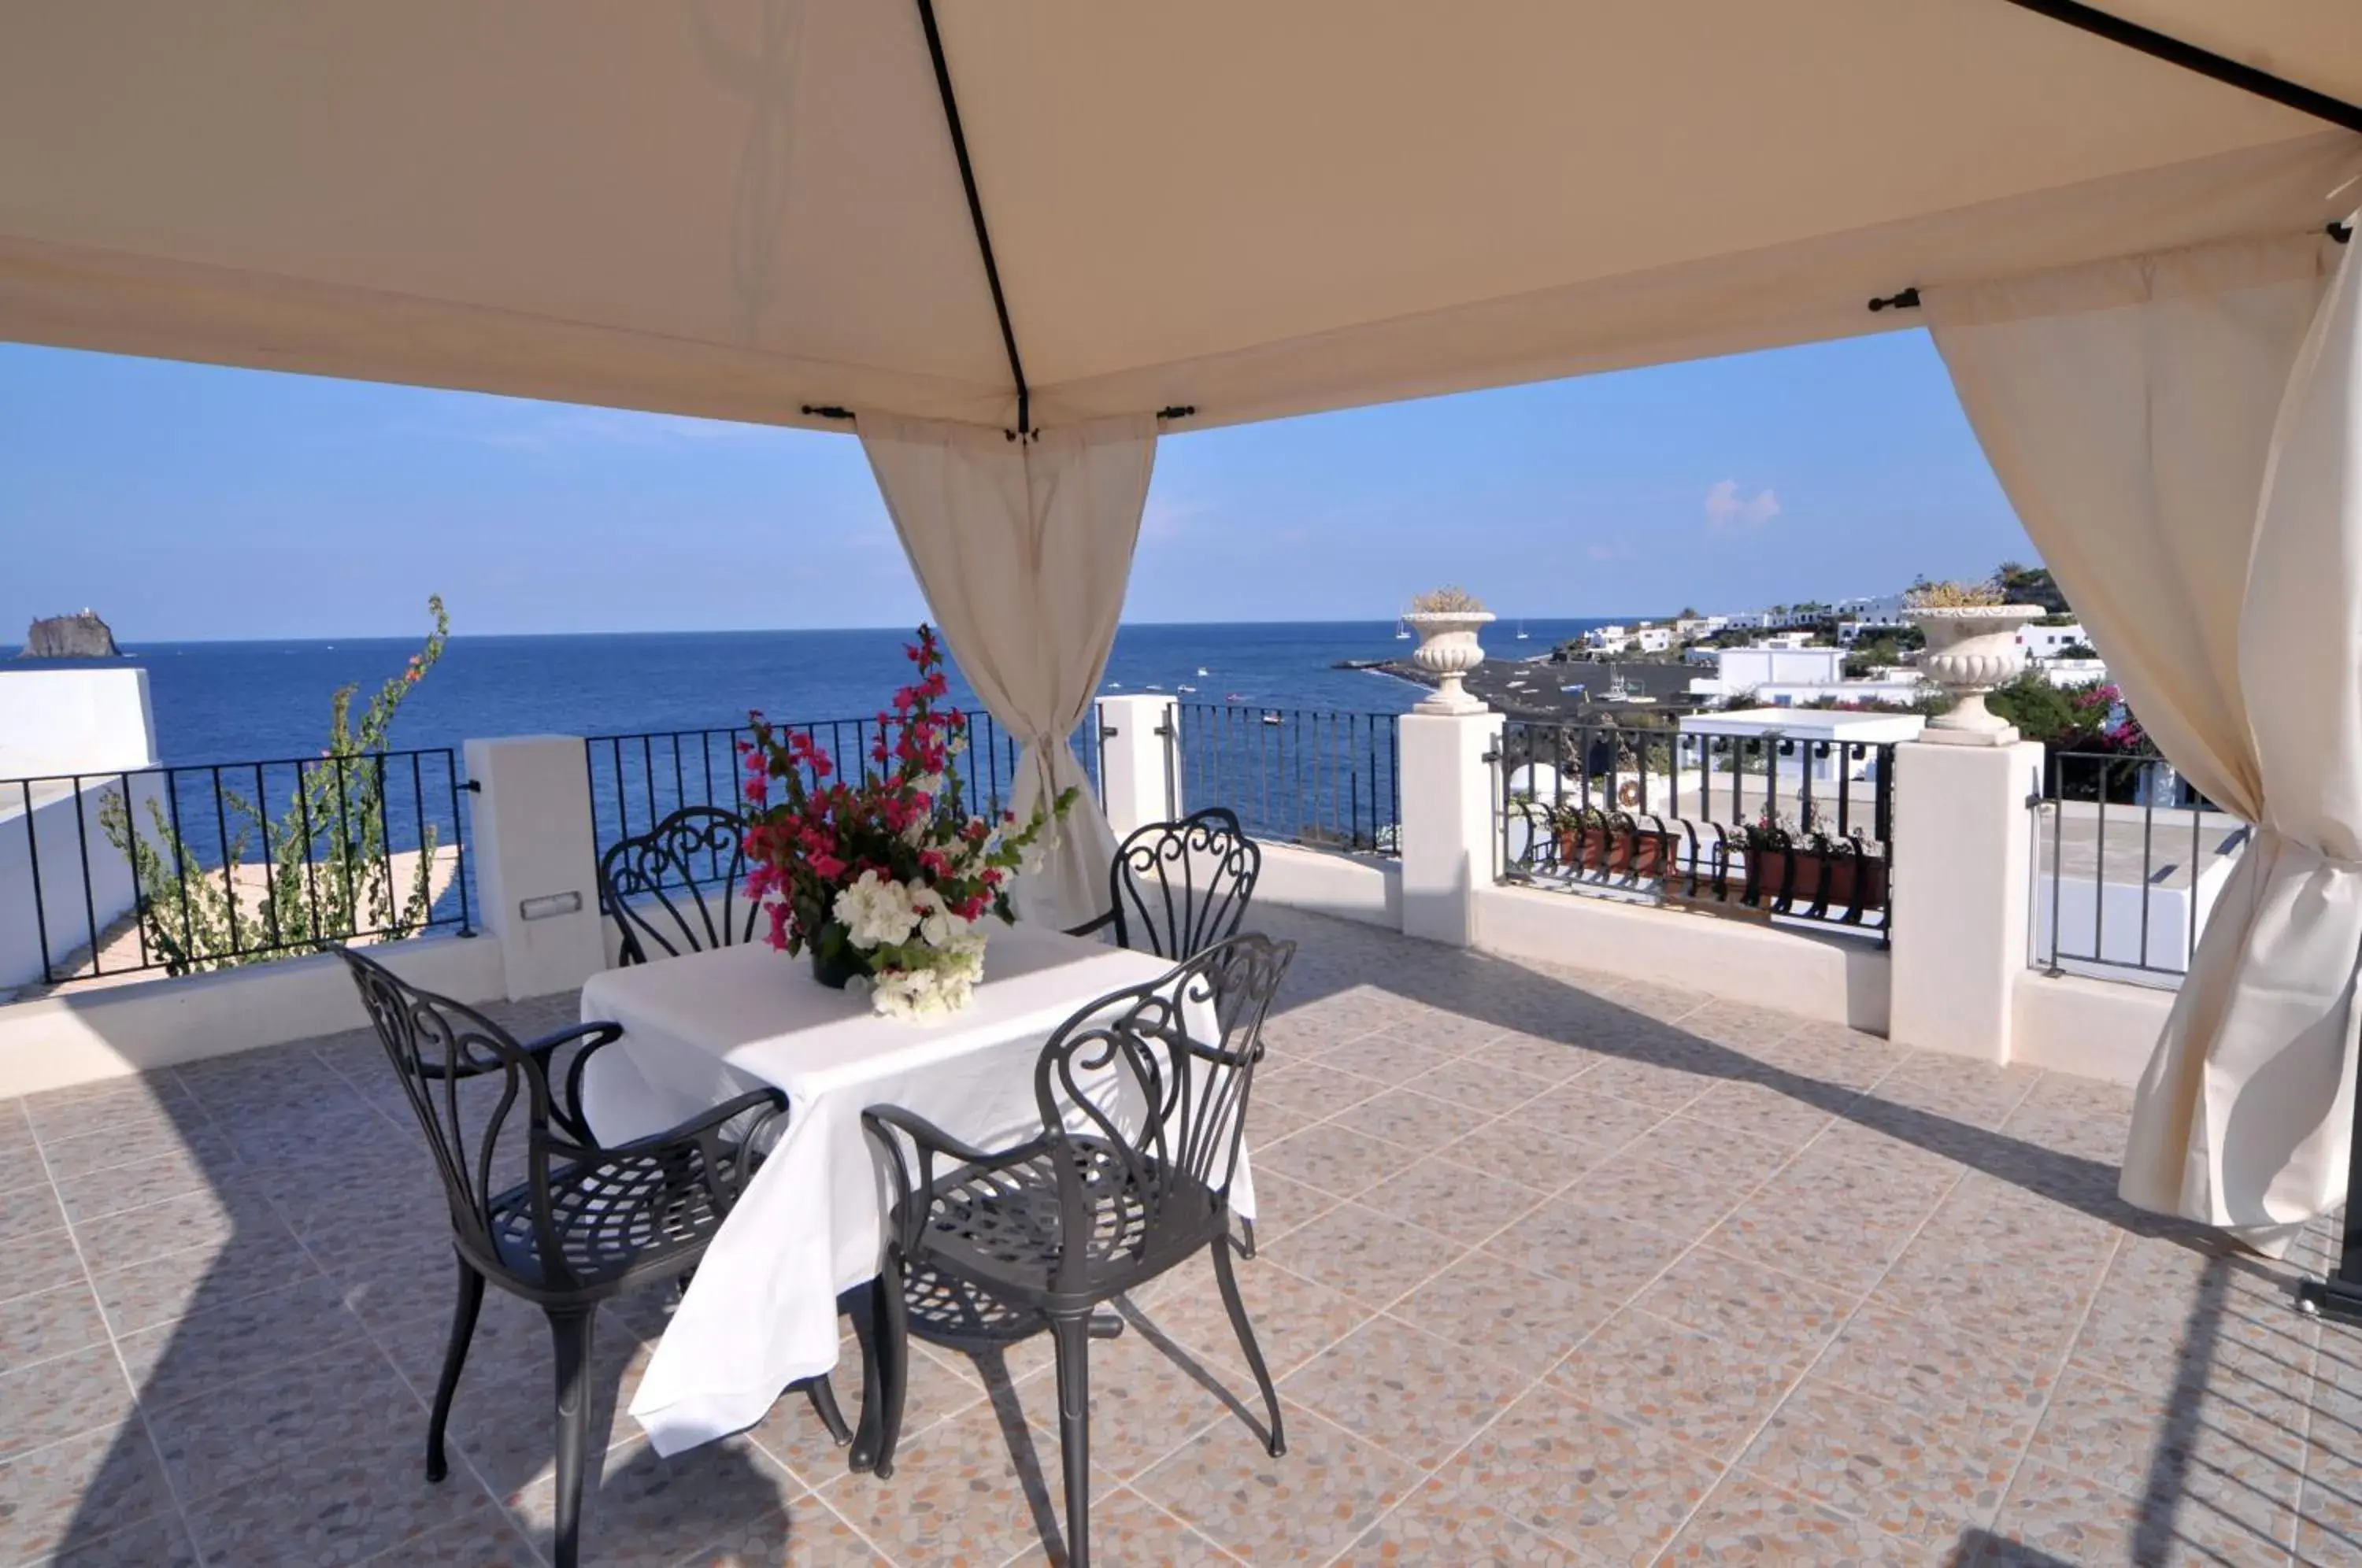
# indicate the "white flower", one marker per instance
pixel 874 910
pixel 939 927
pixel 923 995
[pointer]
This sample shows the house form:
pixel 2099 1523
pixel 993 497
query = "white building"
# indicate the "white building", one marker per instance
pixel 1607 639
pixel 2071 672
pixel 1653 639
pixel 1826 763
pixel 2048 642
pixel 1688 627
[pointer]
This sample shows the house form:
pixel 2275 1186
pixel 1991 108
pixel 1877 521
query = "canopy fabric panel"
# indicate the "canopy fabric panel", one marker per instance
pixel 742 207
pixel 2177 431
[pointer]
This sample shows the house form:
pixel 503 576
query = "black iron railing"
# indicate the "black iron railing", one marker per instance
pixel 2130 860
pixel 191 868
pixel 1323 779
pixel 1785 826
pixel 638 781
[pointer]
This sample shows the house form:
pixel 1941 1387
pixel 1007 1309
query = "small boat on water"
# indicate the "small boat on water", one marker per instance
pixel 1202 669
pixel 1273 719
pixel 1521 631
pixel 1402 631
pixel 1185 688
pixel 1234 696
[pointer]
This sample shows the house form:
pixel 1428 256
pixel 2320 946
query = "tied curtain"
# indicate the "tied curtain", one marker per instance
pixel 1023 549
pixel 2178 434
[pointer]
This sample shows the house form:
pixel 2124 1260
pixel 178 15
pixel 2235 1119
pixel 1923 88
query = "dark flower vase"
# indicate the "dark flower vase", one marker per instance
pixel 834 958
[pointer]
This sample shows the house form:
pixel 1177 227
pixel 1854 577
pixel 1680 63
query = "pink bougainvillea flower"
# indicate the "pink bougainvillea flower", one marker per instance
pixel 826 867
pixel 780 926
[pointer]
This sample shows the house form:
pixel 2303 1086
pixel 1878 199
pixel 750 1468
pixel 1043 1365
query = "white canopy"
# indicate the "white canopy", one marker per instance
pixel 740 207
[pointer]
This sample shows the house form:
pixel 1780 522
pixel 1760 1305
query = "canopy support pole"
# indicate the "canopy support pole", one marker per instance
pixel 976 213
pixel 2205 62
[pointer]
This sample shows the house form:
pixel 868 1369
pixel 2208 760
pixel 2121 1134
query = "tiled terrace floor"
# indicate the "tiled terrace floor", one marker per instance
pixel 1557 1270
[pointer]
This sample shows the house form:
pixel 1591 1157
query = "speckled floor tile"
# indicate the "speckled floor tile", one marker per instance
pixel 2067 1519
pixel 1925 1481
pixel 51 1324
pixel 1450 1199
pixel 719 1501
pixel 961 1494
pixel 1614 1490
pixel 83 1391
pixel 1388 1057
pixel 39 1262
pixel 1306 1508
pixel 1145 1403
pixel 1758 1309
pixel 157 1541
pixel 1483 1085
pixel 1525 1320
pixel 1413 1119
pixel 227 1344
pixel 318 1410
pixel 1514 1150
pixel 1363 1253
pixel 30 1210
pixel 1532 1057
pixel 1594 1121
pixel 1831 1219
pixel 1683 1200
pixel 1703 1390
pixel 1294 1318
pixel 1126 1527
pixel 1939 1372
pixel 1311 1088
pixel 1336 1160
pixel 60 1498
pixel 1437 1524
pixel 1418 1397
pixel 1746 1521
pixel 251 1261
pixel 1609 1257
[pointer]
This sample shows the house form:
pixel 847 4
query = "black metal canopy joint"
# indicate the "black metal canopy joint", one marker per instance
pixel 1907 299
pixel 2205 62
pixel 975 213
pixel 1177 411
pixel 826 411
pixel 2341 232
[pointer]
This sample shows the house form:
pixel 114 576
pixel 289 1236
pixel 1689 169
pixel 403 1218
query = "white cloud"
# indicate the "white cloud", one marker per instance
pixel 1728 510
pixel 1609 550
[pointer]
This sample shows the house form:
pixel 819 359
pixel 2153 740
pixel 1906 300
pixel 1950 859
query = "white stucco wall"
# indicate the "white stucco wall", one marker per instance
pixel 74 721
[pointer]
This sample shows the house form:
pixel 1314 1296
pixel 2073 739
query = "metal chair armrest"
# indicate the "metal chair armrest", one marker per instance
pixel 565 1094
pixel 1087 927
pixel 882 1121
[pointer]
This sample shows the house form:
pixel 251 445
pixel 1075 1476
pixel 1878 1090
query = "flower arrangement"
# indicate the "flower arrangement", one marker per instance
pixel 889 878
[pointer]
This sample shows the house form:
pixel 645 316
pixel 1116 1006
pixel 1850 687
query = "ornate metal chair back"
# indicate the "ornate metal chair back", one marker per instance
pixel 1179 888
pixel 1144 1097
pixel 483 1101
pixel 677 886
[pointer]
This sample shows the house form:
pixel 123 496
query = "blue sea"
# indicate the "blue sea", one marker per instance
pixel 237 702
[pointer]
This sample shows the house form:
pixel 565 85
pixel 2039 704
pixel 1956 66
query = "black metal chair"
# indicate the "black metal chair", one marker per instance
pixel 1007 1243
pixel 586 1222
pixel 1176 888
pixel 655 884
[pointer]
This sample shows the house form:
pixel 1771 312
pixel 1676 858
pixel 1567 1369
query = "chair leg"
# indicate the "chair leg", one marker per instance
pixel 823 1395
pixel 455 1355
pixel 570 1332
pixel 1238 1311
pixel 881 1327
pixel 1073 1336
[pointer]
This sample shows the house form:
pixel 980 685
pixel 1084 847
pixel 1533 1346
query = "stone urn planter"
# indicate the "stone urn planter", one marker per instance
pixel 1447 650
pixel 1971 648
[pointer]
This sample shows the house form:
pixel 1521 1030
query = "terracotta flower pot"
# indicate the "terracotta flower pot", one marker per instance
pixel 1835 880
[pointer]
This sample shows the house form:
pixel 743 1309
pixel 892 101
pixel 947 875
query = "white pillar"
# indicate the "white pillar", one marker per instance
pixel 534 849
pixel 1139 762
pixel 1963 885
pixel 1447 821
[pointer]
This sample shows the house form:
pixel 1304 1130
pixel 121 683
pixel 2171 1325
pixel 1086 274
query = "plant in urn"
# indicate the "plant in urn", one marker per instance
pixel 888 878
pixel 1446 620
pixel 1973 647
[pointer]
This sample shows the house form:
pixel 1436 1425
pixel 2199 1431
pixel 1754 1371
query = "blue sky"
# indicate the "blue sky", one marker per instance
pixel 189 501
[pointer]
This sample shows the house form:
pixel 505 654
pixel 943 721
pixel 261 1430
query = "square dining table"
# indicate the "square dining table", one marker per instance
pixel 761 1311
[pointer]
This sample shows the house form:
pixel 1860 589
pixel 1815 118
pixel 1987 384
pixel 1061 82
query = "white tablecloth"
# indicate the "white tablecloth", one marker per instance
pixel 761 1312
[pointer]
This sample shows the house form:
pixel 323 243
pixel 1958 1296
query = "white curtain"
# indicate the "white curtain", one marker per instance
pixel 1023 549
pixel 2178 435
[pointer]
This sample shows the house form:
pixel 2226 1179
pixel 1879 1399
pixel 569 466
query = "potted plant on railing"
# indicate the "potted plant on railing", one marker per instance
pixel 1973 647
pixel 1446 620
pixel 1589 838
pixel 1791 866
